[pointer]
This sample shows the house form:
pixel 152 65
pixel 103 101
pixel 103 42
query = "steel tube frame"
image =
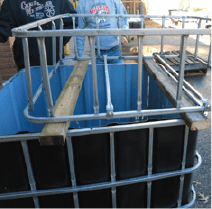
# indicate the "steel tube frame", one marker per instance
pixel 44 21
pixel 162 37
pixel 113 169
pixel 44 73
pixel 119 23
pixel 125 114
pixel 98 130
pixel 30 172
pixel 209 57
pixel 61 43
pixel 140 71
pixel 28 73
pixel 98 186
pixel 75 40
pixel 183 166
pixel 111 32
pixel 113 184
pixel 94 76
pixel 197 40
pixel 98 41
pixel 181 72
pixel 71 165
pixel 109 106
pixel 54 47
pixel 150 152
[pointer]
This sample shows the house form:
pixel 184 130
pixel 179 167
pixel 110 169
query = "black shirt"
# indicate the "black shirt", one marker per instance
pixel 15 13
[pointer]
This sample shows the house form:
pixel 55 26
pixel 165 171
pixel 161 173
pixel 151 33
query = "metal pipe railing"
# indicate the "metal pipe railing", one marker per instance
pixel 181 72
pixel 109 106
pixel 28 73
pixel 140 33
pixel 94 76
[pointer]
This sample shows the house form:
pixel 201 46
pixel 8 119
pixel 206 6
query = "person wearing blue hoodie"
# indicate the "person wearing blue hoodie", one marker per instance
pixel 109 45
pixel 15 13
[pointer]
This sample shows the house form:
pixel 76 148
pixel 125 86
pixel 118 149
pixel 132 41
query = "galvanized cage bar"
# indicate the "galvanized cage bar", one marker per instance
pixel 140 71
pixel 113 184
pixel 183 166
pixel 109 106
pixel 119 23
pixel 150 152
pixel 98 40
pixel 75 38
pixel 113 169
pixel 44 70
pixel 94 76
pixel 28 73
pixel 209 57
pixel 30 172
pixel 197 40
pixel 181 72
pixel 162 37
pixel 54 47
pixel 72 170
pixel 61 43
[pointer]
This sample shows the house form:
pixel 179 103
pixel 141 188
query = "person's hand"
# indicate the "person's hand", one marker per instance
pixel 124 41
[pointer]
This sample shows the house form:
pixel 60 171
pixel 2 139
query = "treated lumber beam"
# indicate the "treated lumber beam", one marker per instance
pixel 55 133
pixel 196 120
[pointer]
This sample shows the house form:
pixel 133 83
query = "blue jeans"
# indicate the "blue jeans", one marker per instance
pixel 111 52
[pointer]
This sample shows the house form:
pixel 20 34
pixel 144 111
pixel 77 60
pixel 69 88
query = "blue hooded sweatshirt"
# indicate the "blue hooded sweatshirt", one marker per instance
pixel 100 7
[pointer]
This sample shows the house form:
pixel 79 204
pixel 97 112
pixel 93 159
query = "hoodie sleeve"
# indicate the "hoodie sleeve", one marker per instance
pixel 81 25
pixel 120 9
pixel 68 22
pixel 7 21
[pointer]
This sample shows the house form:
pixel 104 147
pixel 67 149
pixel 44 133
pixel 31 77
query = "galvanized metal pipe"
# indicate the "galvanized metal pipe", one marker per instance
pixel 44 70
pixel 94 76
pixel 71 165
pixel 181 72
pixel 54 47
pixel 113 170
pixel 209 57
pixel 98 41
pixel 119 22
pixel 30 172
pixel 75 39
pixel 109 106
pixel 162 37
pixel 140 71
pixel 61 43
pixel 28 73
pixel 150 154
pixel 181 40
pixel 111 32
pixel 197 40
pixel 183 166
pixel 124 114
pixel 44 21
pixel 99 186
pixel 98 130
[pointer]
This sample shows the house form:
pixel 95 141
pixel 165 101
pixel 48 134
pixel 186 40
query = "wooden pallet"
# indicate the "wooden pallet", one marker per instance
pixel 192 66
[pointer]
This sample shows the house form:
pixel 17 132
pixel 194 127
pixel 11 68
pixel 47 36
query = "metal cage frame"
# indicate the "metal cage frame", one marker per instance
pixel 202 103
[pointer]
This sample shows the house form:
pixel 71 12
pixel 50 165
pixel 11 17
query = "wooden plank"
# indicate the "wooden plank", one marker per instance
pixel 55 133
pixel 195 121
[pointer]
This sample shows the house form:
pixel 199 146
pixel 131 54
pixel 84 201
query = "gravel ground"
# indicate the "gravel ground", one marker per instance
pixel 202 83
